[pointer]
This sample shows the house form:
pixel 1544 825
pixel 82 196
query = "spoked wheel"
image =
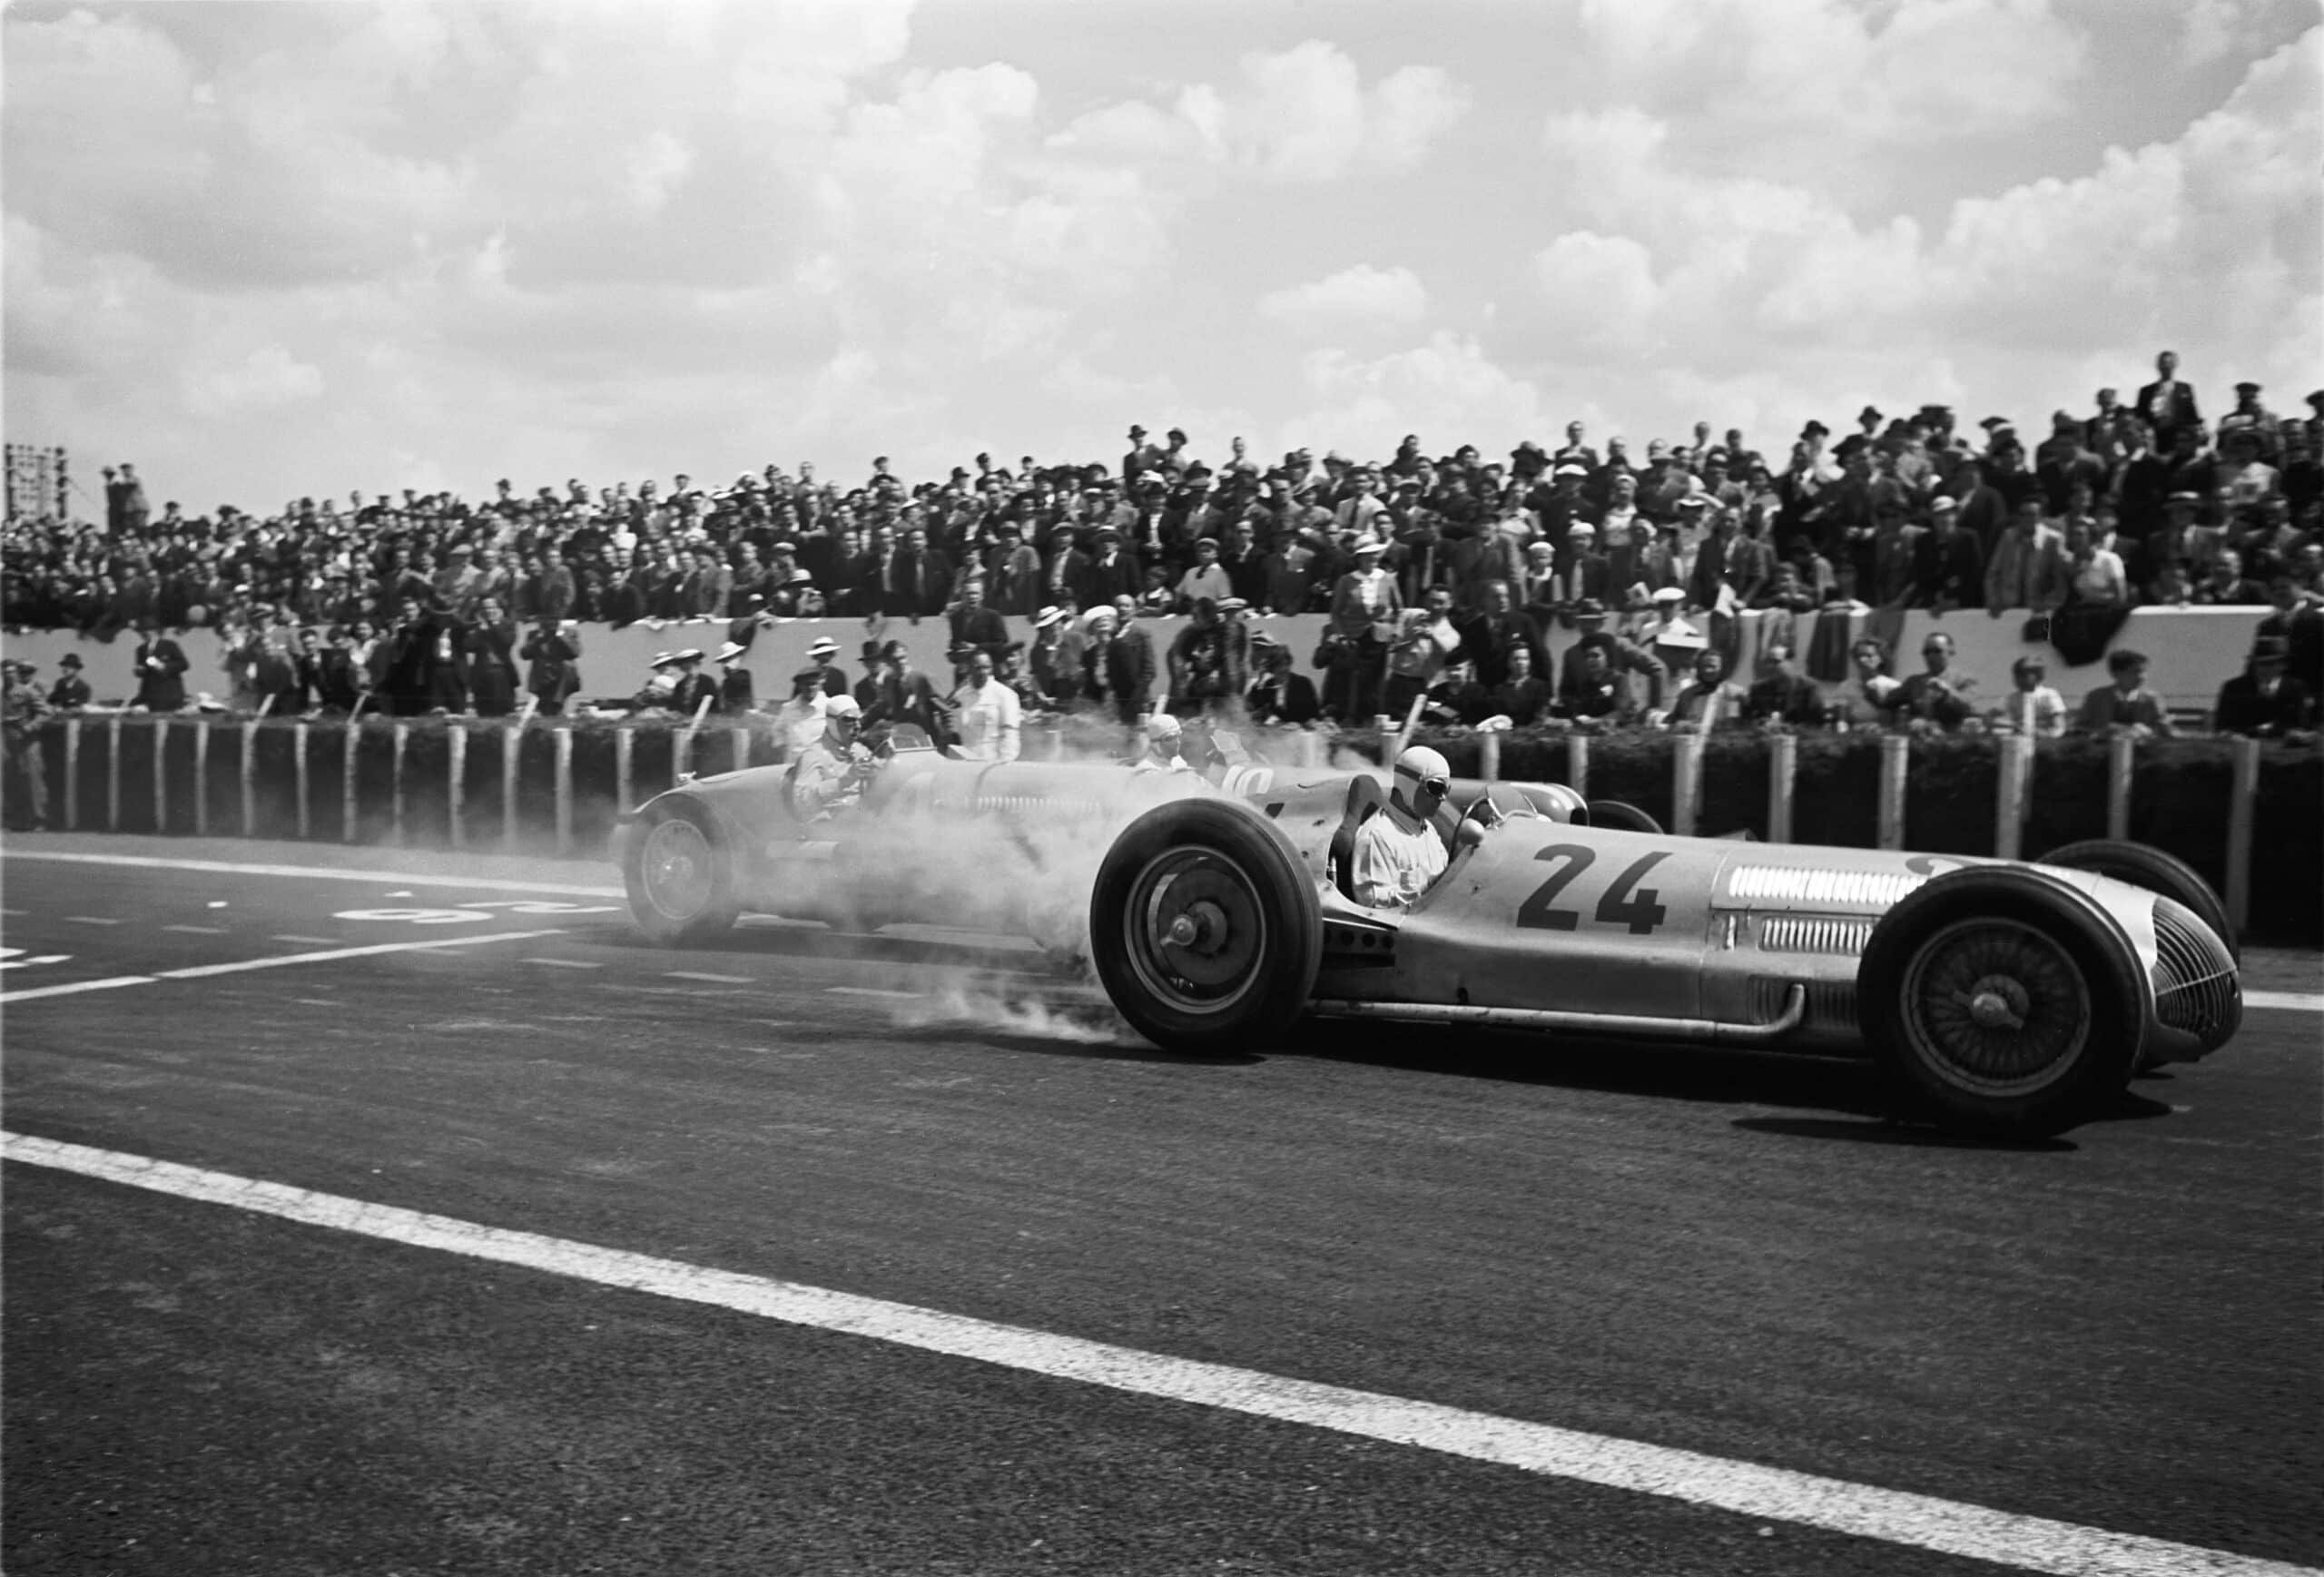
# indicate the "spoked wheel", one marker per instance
pixel 676 873
pixel 1999 1001
pixel 1203 926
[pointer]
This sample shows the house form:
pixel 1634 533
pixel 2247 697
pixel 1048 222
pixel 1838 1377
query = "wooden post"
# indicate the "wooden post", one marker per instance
pixel 2242 804
pixel 201 779
pixel 1488 756
pixel 456 769
pixel 161 775
pixel 511 741
pixel 394 775
pixel 624 743
pixel 1783 776
pixel 1896 760
pixel 112 781
pixel 1576 762
pixel 299 777
pixel 565 790
pixel 1685 784
pixel 249 780
pixel 2012 795
pixel 2121 757
pixel 72 775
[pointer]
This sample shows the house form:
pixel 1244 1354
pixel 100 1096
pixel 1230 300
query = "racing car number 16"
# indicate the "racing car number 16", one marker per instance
pixel 1623 903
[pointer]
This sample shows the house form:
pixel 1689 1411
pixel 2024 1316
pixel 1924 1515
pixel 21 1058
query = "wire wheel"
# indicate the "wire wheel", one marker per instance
pixel 1994 1006
pixel 678 869
pixel 1196 930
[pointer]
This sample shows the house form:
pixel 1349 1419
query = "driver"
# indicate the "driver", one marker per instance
pixel 1398 853
pixel 832 772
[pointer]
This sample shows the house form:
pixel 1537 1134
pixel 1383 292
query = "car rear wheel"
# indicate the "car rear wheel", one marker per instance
pixel 1621 816
pixel 680 879
pixel 1993 1002
pixel 1205 927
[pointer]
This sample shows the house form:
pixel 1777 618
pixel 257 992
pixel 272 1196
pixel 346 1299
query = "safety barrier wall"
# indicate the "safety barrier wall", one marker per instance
pixel 2243 813
pixel 2193 651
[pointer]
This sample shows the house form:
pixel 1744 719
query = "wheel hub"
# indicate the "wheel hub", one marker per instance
pixel 1198 934
pixel 1997 1003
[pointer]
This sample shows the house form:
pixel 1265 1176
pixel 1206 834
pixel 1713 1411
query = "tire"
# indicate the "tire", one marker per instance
pixel 1998 1002
pixel 1204 926
pixel 2143 866
pixel 678 872
pixel 1620 816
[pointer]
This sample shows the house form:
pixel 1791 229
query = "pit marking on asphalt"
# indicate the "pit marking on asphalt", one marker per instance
pixel 204 972
pixel 1748 1489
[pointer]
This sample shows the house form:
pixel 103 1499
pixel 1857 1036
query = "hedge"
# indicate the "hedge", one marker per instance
pixel 2180 792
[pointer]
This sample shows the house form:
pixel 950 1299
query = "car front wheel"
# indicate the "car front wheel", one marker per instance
pixel 676 869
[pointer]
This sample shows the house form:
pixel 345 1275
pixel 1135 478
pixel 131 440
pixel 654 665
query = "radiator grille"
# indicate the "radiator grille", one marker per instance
pixel 2195 985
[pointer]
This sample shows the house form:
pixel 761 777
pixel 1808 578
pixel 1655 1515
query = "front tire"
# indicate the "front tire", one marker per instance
pixel 1205 927
pixel 2143 866
pixel 1998 1002
pixel 679 875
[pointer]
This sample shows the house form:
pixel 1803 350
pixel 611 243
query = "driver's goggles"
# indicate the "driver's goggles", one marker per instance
pixel 1438 786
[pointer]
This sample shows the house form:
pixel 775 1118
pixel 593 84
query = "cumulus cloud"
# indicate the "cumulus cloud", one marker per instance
pixel 1356 300
pixel 267 378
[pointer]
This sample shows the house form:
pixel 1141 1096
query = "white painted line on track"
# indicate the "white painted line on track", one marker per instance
pixel 562 963
pixel 322 873
pixel 204 972
pixel 1748 1489
pixel 871 991
pixel 197 930
pixel 89 920
pixel 714 979
pixel 305 940
pixel 2291 1001
pixel 16 914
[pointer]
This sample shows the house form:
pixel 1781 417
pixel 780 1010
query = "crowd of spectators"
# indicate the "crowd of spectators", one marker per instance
pixel 1440 575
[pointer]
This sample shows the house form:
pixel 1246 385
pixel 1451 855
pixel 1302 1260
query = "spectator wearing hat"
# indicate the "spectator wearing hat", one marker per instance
pixel 1949 566
pixel 552 657
pixel 2126 704
pixel 659 694
pixel 159 666
pixel 822 655
pixel 1206 581
pixel 1648 674
pixel 24 784
pixel 1208 662
pixel 2032 707
pixel 1279 694
pixel 2168 403
pixel 737 691
pixel 2264 702
pixel 1111 572
pixel 2252 420
pixel 988 716
pixel 1365 606
pixel 1049 669
pixel 1013 573
pixel 71 692
pixel 487 655
pixel 906 695
pixel 2063 461
pixel 695 689
pixel 798 720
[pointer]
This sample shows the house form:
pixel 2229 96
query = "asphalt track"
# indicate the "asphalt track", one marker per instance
pixel 1721 1254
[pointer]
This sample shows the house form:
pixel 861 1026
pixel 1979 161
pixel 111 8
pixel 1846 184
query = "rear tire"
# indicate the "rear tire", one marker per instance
pixel 679 873
pixel 1995 1001
pixel 1204 926
pixel 1620 816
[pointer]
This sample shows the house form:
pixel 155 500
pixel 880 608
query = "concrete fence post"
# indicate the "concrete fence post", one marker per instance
pixel 162 775
pixel 298 778
pixel 625 742
pixel 2242 805
pixel 456 768
pixel 740 737
pixel 1686 783
pixel 2122 753
pixel 349 732
pixel 565 790
pixel 512 737
pixel 1783 775
pixel 1488 756
pixel 72 775
pixel 201 779
pixel 249 780
pixel 113 781
pixel 1895 762
pixel 394 773
pixel 2013 793
pixel 1576 762
pixel 1311 748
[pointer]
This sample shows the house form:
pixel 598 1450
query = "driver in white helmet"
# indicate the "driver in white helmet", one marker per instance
pixel 1398 853
pixel 831 773
pixel 1164 733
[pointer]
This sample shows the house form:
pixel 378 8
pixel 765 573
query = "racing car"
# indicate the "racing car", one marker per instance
pixel 1997 996
pixel 2001 997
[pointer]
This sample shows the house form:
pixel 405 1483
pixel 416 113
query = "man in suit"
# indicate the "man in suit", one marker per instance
pixel 1109 573
pixel 160 667
pixel 975 625
pixel 2263 701
pixel 2168 405
pixel 1279 695
pixel 2027 570
pixel 2126 703
pixel 71 692
pixel 1781 694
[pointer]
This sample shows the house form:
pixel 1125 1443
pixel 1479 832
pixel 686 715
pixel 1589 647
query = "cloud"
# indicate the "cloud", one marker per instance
pixel 267 378
pixel 1356 300
pixel 1447 390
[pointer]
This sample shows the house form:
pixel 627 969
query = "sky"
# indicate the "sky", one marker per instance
pixel 269 250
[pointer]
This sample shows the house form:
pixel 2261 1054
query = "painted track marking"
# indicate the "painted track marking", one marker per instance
pixel 714 979
pixel 871 991
pixel 89 920
pixel 562 963
pixel 2290 1001
pixel 1748 1489
pixel 204 972
pixel 306 941
pixel 321 873
pixel 197 930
